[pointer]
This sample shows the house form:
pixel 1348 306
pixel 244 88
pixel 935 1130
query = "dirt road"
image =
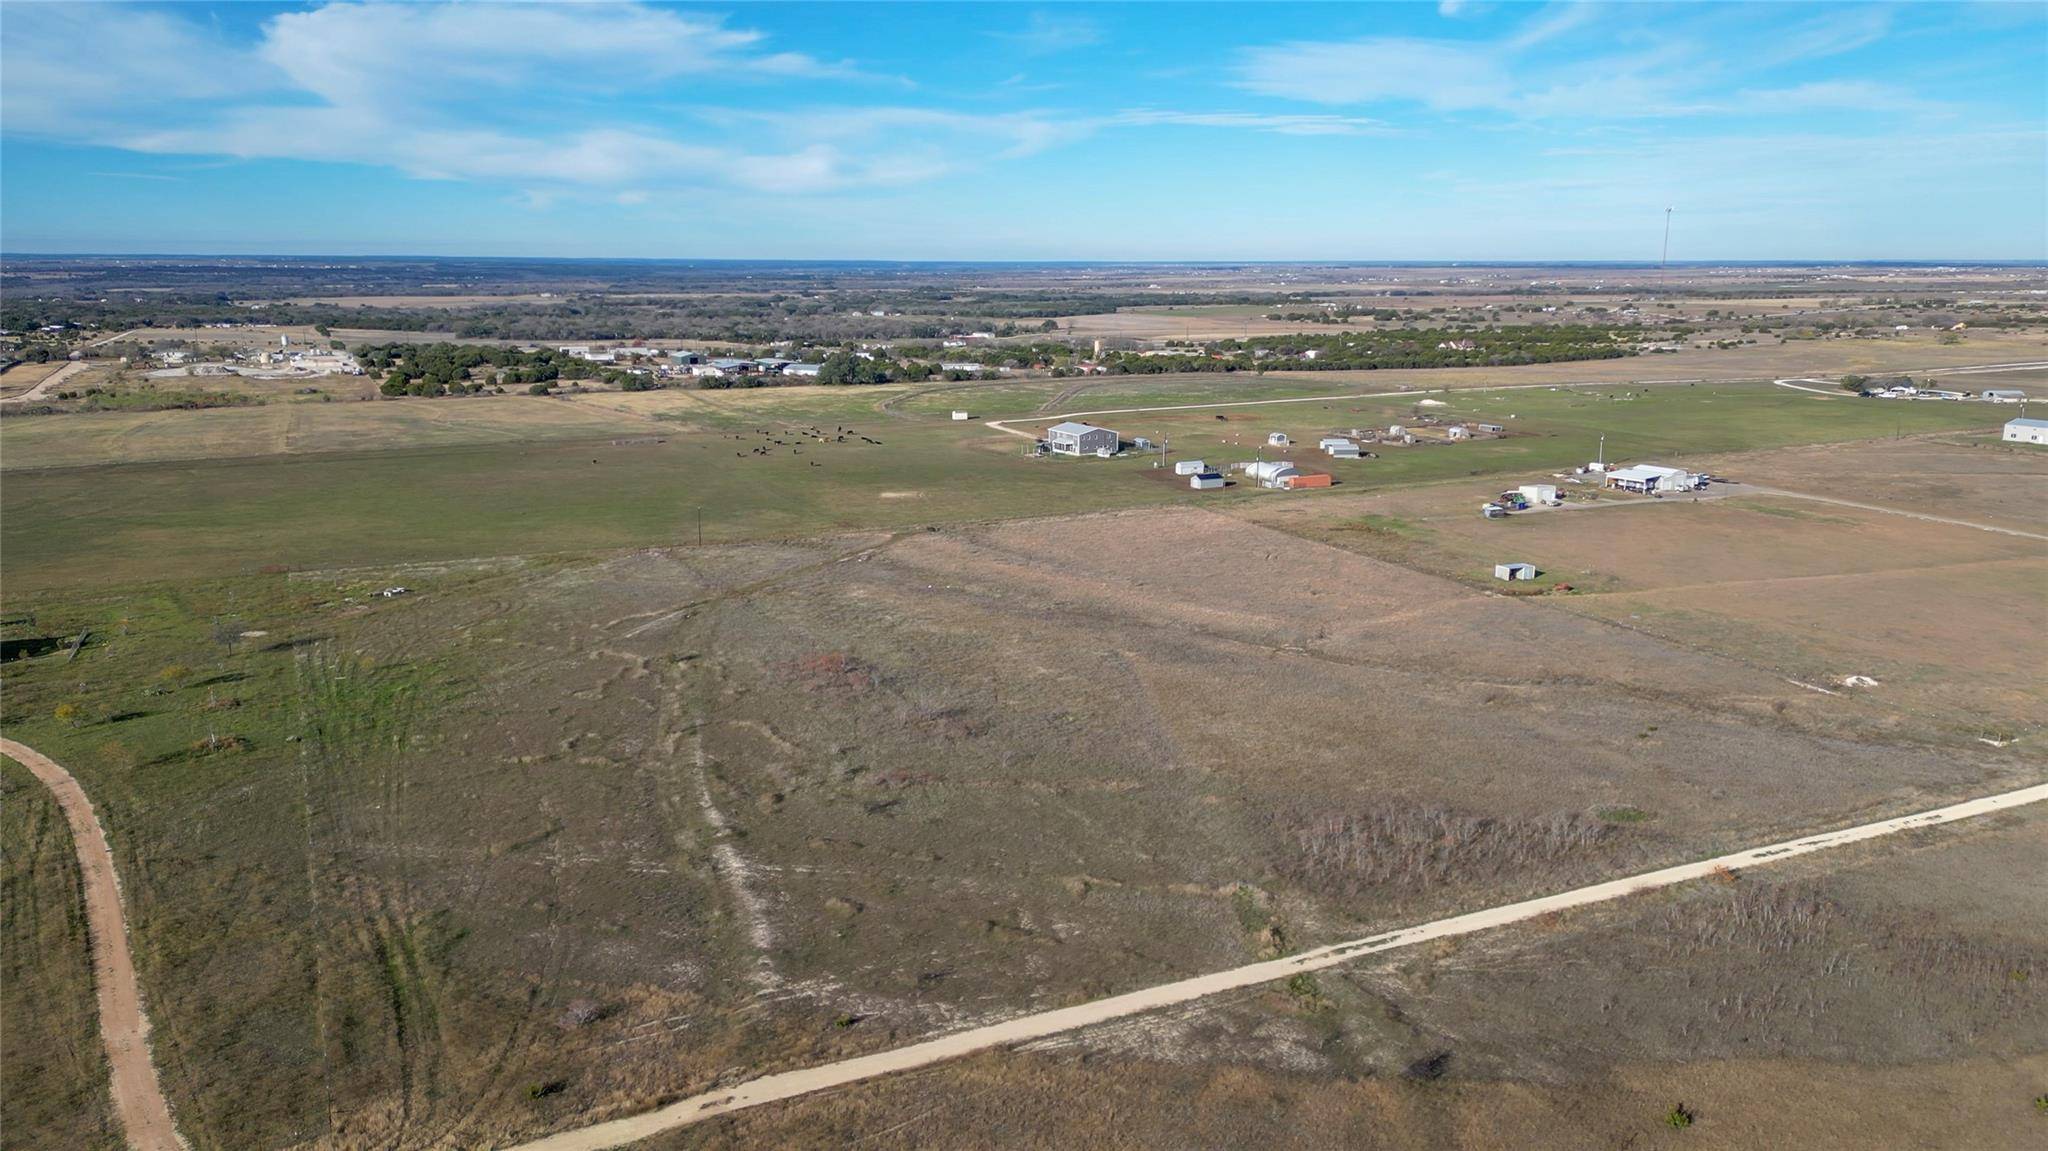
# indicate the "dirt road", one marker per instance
pixel 794 1084
pixel 1758 489
pixel 138 1097
pixel 40 390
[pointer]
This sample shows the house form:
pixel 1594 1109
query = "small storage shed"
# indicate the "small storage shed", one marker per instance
pixel 1189 467
pixel 1539 493
pixel 960 415
pixel 1205 481
pixel 1343 451
pixel 2026 431
pixel 1300 480
pixel 1458 432
pixel 1278 440
pixel 1512 572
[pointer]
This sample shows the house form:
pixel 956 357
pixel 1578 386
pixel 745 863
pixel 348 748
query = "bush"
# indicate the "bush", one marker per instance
pixel 537 390
pixel 1679 1117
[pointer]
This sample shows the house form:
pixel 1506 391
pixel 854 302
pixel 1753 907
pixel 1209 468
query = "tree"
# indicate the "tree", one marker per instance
pixel 227 632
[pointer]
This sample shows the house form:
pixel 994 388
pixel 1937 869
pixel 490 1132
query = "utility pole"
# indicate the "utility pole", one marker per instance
pixel 700 525
pixel 1664 257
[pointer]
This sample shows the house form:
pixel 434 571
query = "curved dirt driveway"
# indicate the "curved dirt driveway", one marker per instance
pixel 138 1097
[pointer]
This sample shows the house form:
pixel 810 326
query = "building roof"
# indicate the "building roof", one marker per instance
pixel 1073 429
pixel 1641 473
pixel 2026 422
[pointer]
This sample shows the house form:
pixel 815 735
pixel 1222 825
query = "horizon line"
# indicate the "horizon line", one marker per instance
pixel 1332 262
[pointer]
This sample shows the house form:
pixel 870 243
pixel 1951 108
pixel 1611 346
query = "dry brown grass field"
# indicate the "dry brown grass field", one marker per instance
pixel 1736 1000
pixel 21 377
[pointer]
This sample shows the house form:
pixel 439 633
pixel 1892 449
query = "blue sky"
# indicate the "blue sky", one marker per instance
pixel 1059 131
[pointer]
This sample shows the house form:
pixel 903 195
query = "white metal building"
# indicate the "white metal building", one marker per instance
pixel 1278 440
pixel 1075 439
pixel 2026 431
pixel 1271 473
pixel 1189 467
pixel 2002 395
pixel 1539 493
pixel 1651 478
pixel 1205 481
pixel 1515 571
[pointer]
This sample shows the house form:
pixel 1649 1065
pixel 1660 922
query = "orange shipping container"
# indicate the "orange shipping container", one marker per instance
pixel 1307 481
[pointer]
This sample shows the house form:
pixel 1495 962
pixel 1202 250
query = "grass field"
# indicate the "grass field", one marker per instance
pixel 53 1083
pixel 927 732
pixel 564 490
pixel 1548 429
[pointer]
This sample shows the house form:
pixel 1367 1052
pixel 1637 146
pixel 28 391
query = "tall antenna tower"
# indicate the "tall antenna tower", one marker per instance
pixel 1664 257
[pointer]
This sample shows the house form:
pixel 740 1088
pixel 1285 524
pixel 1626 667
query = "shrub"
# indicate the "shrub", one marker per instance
pixel 1679 1117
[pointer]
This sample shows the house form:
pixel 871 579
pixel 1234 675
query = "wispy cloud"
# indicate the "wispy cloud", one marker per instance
pixel 1568 60
pixel 1843 29
pixel 1438 74
pixel 1285 124
pixel 1046 32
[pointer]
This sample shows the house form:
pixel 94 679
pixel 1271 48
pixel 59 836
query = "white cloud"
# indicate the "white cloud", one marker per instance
pixel 1286 124
pixel 455 91
pixel 1842 29
pixel 1440 74
pixel 1525 74
pixel 51 84
pixel 1045 32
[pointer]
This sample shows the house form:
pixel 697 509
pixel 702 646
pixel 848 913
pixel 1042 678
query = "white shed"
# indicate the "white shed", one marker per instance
pixel 960 415
pixel 1513 572
pixel 1345 450
pixel 1458 432
pixel 1205 481
pixel 2026 431
pixel 1278 440
pixel 1271 473
pixel 1539 493
pixel 1189 467
pixel 1075 439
